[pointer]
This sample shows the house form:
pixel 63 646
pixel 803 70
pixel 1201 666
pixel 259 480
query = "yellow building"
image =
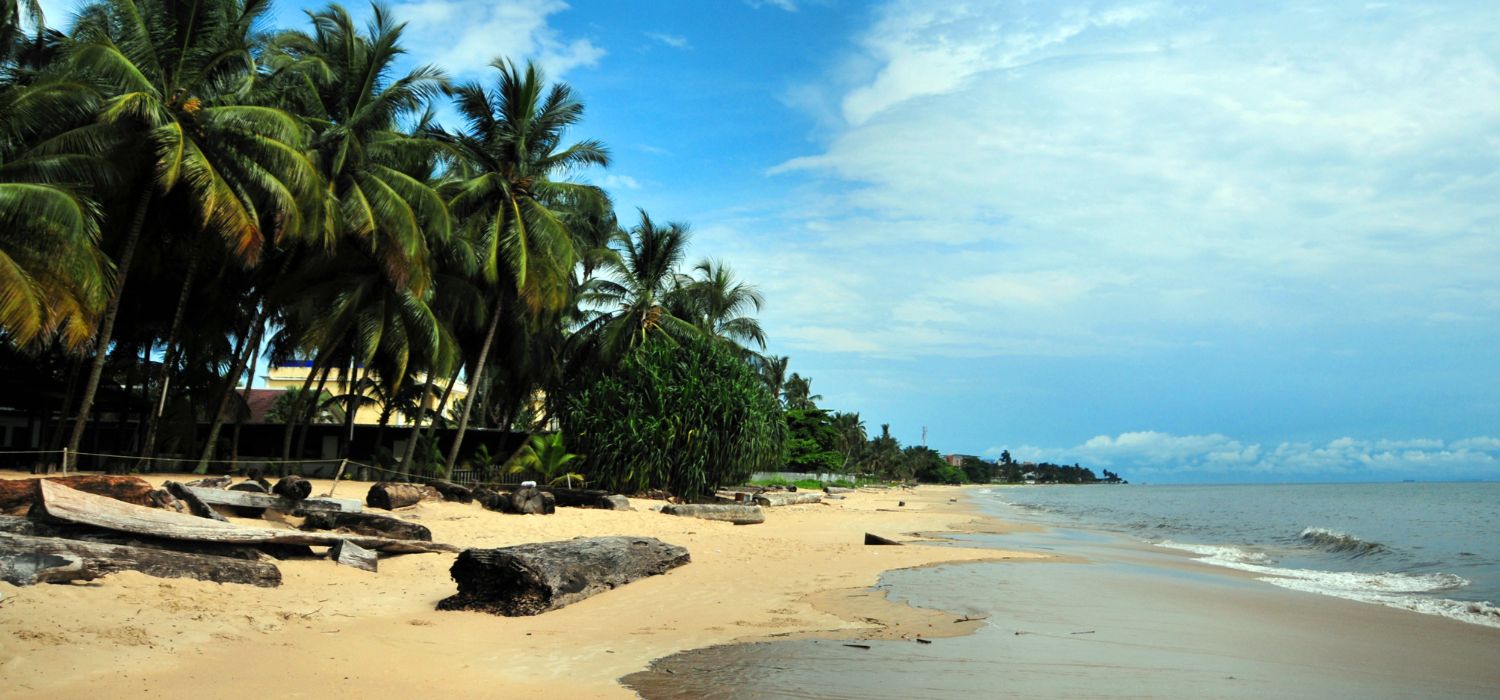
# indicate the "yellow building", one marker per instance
pixel 294 373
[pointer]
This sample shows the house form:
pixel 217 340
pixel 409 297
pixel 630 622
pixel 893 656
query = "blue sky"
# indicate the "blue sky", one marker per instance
pixel 1186 241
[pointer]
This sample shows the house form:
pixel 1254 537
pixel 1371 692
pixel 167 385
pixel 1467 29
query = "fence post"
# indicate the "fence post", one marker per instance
pixel 338 475
pixel 65 461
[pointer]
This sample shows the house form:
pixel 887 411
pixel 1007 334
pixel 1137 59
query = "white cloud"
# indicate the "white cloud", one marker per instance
pixel 788 5
pixel 1151 455
pixel 673 40
pixel 1182 171
pixel 614 181
pixel 464 36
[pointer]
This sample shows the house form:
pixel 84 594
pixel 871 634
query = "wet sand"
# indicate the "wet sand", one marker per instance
pixel 1116 620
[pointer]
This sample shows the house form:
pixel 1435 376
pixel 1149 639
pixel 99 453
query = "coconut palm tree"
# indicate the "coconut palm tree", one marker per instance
pixel 631 303
pixel 798 393
pixel 177 76
pixel 719 304
pixel 508 163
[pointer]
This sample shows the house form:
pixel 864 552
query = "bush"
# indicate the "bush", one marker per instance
pixel 685 417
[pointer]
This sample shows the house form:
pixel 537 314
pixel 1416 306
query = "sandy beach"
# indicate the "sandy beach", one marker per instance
pixel 329 627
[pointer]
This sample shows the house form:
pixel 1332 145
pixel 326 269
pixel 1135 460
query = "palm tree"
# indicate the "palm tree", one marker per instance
pixel 177 75
pixel 548 458
pixel 720 305
pixel 507 162
pixel 852 436
pixel 798 393
pixel 630 305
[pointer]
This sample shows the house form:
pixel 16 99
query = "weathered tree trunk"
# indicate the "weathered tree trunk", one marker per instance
pixel 391 495
pixel 484 356
pixel 837 489
pixel 254 500
pixel 522 501
pixel 533 578
pixel 169 354
pixel 368 524
pixel 27 560
pixel 293 488
pixel 38 528
pixel 587 498
pixel 16 494
pixel 349 554
pixel 737 514
pixel 195 505
pixel 784 498
pixel 111 312
pixel 60 503
pixel 449 490
pixel 249 511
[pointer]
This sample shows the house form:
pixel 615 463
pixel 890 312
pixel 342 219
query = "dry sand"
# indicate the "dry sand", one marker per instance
pixel 334 628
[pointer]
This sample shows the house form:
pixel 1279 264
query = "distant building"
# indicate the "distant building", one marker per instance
pixel 957 460
pixel 293 374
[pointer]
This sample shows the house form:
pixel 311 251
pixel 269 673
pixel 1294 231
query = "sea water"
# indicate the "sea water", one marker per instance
pixel 1429 547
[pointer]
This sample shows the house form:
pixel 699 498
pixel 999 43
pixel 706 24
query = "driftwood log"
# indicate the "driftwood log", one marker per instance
pixel 587 498
pixel 67 531
pixel 391 495
pixel 197 506
pixel 350 554
pixel 451 491
pixel 27 560
pixel 526 500
pixel 244 511
pixel 259 502
pixel 533 578
pixel 787 498
pixel 873 539
pixel 60 503
pixel 17 494
pixel 837 489
pixel 368 524
pixel 212 482
pixel 737 514
pixel 292 488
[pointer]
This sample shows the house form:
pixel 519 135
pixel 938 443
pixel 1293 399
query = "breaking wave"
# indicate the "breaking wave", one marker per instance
pixel 1339 542
pixel 1397 590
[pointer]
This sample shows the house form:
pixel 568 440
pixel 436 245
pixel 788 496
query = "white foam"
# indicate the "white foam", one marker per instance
pixel 1390 589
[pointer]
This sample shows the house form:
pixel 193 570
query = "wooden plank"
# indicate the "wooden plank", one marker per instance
pixel 28 560
pixel 349 554
pixel 247 499
pixel 62 503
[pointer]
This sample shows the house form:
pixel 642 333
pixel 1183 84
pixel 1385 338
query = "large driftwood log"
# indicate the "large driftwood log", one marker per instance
pixel 16 494
pixel 197 506
pixel 451 491
pixel 522 501
pixel 60 503
pixel 212 482
pixel 368 524
pixel 391 495
pixel 259 502
pixel 737 514
pixel 350 554
pixel 838 489
pixel 243 511
pixel 533 578
pixel 787 498
pixel 27 560
pixel 587 498
pixel 292 488
pixel 67 531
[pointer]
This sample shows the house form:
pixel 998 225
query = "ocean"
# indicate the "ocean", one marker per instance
pixel 1128 613
pixel 1429 547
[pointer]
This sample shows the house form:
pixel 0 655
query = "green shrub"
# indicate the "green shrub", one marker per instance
pixel 687 417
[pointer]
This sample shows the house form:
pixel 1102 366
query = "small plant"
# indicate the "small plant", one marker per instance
pixel 547 457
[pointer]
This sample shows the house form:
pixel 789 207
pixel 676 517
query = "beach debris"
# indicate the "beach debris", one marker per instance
pixel 349 554
pixel 367 524
pixel 391 495
pixel 60 503
pixel 530 579
pixel 873 539
pixel 36 528
pixel 248 501
pixel 292 488
pixel 19 494
pixel 837 489
pixel 195 505
pixel 248 486
pixel 724 512
pixel 28 560
pixel 858 646
pixel 450 491
pixel 527 500
pixel 587 498
pixel 787 498
pixel 1086 632
pixel 900 504
pixel 923 641
pixel 212 482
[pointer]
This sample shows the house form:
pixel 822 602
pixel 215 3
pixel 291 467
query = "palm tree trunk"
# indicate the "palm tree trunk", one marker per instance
pixel 311 411
pixel 241 358
pixel 169 354
pixel 484 355
pixel 351 383
pixel 299 410
pixel 234 450
pixel 416 428
pixel 107 324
